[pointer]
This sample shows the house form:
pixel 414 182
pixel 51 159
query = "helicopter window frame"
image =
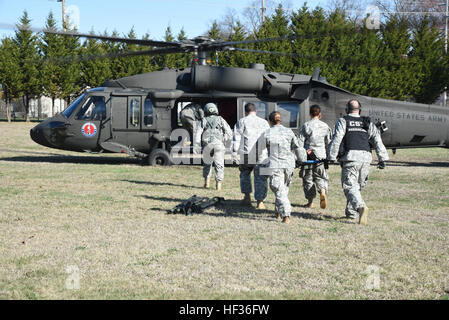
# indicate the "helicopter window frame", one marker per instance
pixel 92 110
pixel 258 104
pixel 134 111
pixel 70 109
pixel 282 111
pixel 150 116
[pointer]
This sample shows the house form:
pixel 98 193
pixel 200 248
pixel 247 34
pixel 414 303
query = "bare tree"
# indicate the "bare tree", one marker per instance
pixel 414 10
pixel 253 13
pixel 354 10
pixel 228 22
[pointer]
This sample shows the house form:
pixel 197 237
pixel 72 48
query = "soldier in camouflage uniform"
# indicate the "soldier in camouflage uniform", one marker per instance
pixel 314 136
pixel 212 133
pixel 280 141
pixel 189 116
pixel 351 143
pixel 244 148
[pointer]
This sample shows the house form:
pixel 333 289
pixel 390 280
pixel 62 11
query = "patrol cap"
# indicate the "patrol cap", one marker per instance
pixel 210 108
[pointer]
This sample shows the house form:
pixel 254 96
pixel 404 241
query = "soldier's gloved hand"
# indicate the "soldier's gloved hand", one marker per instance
pixel 381 165
pixel 298 163
pixel 331 161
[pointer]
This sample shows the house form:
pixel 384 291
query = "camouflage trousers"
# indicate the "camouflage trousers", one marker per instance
pixel 213 156
pixel 260 181
pixel 314 178
pixel 354 176
pixel 280 180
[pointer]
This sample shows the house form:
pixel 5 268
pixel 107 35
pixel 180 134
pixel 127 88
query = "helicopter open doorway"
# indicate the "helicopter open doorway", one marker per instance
pixel 233 109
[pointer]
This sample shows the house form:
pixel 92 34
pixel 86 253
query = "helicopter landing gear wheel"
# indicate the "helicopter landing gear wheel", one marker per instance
pixel 159 157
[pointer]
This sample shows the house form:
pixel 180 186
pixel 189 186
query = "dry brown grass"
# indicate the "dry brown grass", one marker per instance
pixel 106 215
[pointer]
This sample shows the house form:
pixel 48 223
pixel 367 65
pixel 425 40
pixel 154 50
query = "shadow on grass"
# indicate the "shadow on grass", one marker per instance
pixel 418 164
pixel 234 209
pixel 162 199
pixel 153 183
pixel 56 158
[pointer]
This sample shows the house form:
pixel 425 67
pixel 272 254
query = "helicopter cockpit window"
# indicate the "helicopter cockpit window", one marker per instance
pixel 148 113
pixel 262 108
pixel 289 112
pixel 93 109
pixel 134 112
pixel 68 112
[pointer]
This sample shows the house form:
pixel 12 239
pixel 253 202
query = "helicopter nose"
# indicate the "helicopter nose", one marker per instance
pixel 37 135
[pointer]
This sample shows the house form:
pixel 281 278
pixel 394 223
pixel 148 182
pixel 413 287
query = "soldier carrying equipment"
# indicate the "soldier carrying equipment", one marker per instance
pixel 195 205
pixel 310 162
pixel 314 136
pixel 357 134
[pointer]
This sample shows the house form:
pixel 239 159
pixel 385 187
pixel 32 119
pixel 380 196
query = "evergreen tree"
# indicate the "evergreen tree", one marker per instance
pixel 130 65
pixel 311 40
pixel 236 58
pixel 51 49
pixel 148 63
pixel 214 31
pixel 396 40
pixel 94 71
pixel 167 60
pixel 183 60
pixel 428 63
pixel 10 77
pixel 112 48
pixel 276 26
pixel 71 80
pixel 29 62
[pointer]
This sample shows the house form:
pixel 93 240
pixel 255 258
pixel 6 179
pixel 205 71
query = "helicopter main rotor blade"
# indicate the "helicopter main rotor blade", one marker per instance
pixel 234 43
pixel 9 26
pixel 144 42
pixel 115 55
pixel 303 56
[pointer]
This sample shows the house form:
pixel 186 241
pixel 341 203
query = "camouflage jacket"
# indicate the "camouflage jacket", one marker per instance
pixel 246 134
pixel 315 135
pixel 194 111
pixel 212 129
pixel 280 141
pixel 357 155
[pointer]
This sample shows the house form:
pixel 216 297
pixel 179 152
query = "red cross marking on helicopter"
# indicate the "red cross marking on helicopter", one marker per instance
pixel 89 129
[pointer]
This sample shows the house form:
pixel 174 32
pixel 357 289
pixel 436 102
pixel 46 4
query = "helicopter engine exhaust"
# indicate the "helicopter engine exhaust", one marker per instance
pixel 209 78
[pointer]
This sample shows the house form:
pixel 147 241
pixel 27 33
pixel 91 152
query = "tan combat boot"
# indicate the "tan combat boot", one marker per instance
pixel 286 220
pixel 218 185
pixel 310 204
pixel 246 201
pixel 207 183
pixel 278 215
pixel 260 205
pixel 363 215
pixel 323 202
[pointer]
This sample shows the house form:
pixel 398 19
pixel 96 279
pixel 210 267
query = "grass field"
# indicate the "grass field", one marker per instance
pixel 102 219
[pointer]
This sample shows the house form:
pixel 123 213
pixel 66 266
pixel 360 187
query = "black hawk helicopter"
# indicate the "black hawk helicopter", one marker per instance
pixel 137 114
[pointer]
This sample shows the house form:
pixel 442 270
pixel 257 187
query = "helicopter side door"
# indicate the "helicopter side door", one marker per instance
pixel 89 125
pixel 132 121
